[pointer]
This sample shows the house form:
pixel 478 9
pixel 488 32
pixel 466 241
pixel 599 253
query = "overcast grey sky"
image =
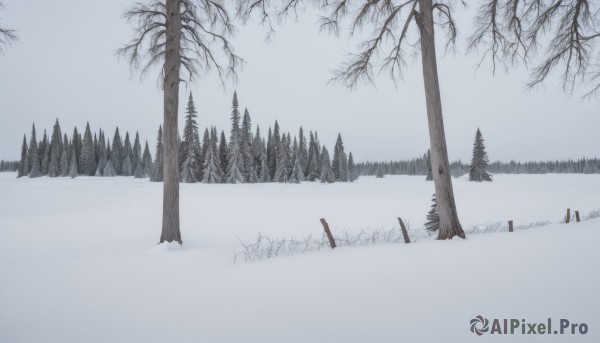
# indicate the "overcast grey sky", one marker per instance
pixel 64 66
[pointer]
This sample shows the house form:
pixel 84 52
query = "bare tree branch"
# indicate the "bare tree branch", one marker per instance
pixel 7 35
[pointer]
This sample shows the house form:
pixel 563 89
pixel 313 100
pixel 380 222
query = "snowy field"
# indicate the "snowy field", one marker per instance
pixel 78 262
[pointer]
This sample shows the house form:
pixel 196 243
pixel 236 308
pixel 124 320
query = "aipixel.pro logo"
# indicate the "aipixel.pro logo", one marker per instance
pixel 510 326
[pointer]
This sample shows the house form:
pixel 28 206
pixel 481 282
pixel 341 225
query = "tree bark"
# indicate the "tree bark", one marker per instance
pixel 170 223
pixel 449 223
pixel 328 233
pixel 404 231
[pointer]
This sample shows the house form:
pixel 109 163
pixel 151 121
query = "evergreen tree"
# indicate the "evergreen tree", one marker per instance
pixel 127 167
pixel 42 150
pixel 24 162
pixel 116 153
pixel 326 172
pixel 265 174
pixel 96 155
pixel 433 219
pixel 282 172
pixel 479 163
pixel 429 170
pixel 102 155
pixel 235 159
pixel 73 166
pixel 297 175
pixel 302 150
pixel 205 146
pixel 275 143
pixel 55 151
pixel 109 170
pixel 223 152
pixel 64 157
pixel 339 165
pixel 212 168
pixel 33 149
pixel 191 165
pixel 312 168
pixel 147 161
pixel 246 144
pixel 137 153
pixel 87 160
pixel 256 151
pixel 352 174
pixel 157 171
pixel 271 159
pixel 46 159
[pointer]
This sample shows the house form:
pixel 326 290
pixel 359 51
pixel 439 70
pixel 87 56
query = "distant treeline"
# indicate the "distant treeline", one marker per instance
pixel 246 158
pixel 9 166
pixel 419 166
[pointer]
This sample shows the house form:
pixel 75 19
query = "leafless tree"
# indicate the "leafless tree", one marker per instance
pixel 187 38
pixel 7 35
pixel 393 24
pixel 566 33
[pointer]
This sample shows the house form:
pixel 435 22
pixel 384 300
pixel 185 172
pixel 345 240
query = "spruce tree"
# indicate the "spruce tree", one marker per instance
pixel 265 174
pixel 352 174
pixel 256 150
pixel 23 163
pixel 235 159
pixel 73 166
pixel 55 151
pixel 429 176
pixel 270 157
pixel 480 162
pixel 302 150
pixel 102 155
pixel 212 169
pixel 297 175
pixel 205 146
pixel 147 161
pixel 339 165
pixel 46 159
pixel 326 172
pixel 312 170
pixel 223 152
pixel 157 171
pixel 433 219
pixel 42 150
pixel 64 157
pixel 87 159
pixel 246 144
pixel 275 142
pixel 191 154
pixel 33 149
pixel 282 172
pixel 137 153
pixel 117 152
pixel 109 170
pixel 127 167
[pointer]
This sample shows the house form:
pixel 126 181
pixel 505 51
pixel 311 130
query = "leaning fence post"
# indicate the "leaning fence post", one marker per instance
pixel 328 232
pixel 510 226
pixel 568 216
pixel 577 216
pixel 404 232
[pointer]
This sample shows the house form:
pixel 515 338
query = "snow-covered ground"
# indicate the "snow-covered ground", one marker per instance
pixel 78 262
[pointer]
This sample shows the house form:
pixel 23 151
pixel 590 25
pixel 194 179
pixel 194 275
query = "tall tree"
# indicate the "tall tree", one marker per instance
pixel 352 174
pixel 212 168
pixel 117 152
pixel 223 152
pixel 390 23
pixel 73 166
pixel 137 153
pixel 302 149
pixel 7 35
pixel 24 162
pixel 246 144
pixel 87 160
pixel 102 155
pixel 34 160
pixel 479 162
pixel 55 151
pixel 265 174
pixel 235 158
pixel 282 173
pixel 147 161
pixel 190 171
pixel 64 157
pixel 339 165
pixel 326 172
pixel 184 35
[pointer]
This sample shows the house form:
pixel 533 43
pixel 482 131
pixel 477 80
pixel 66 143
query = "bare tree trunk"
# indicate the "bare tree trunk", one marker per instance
pixel 449 223
pixel 170 224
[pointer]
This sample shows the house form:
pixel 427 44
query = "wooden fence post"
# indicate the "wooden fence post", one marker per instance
pixel 510 226
pixel 328 232
pixel 577 216
pixel 404 232
pixel 568 219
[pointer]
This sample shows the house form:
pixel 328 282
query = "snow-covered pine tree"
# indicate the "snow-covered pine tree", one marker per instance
pixel 147 161
pixel 283 162
pixel 339 165
pixel 127 156
pixel 212 169
pixel 137 154
pixel 352 174
pixel 23 163
pixel 326 172
pixel 46 159
pixel 157 170
pixel 297 175
pixel 96 155
pixel 64 157
pixel 429 176
pixel 42 147
pixel 255 150
pixel 246 144
pixel 55 151
pixel 223 152
pixel 102 155
pixel 265 174
pixel 311 172
pixel 87 160
pixel 205 146
pixel 235 159
pixel 33 148
pixel 270 156
pixel 109 170
pixel 191 165
pixel 117 152
pixel 275 142
pixel 480 161
pixel 302 150
pixel 379 173
pixel 433 219
pixel 73 166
